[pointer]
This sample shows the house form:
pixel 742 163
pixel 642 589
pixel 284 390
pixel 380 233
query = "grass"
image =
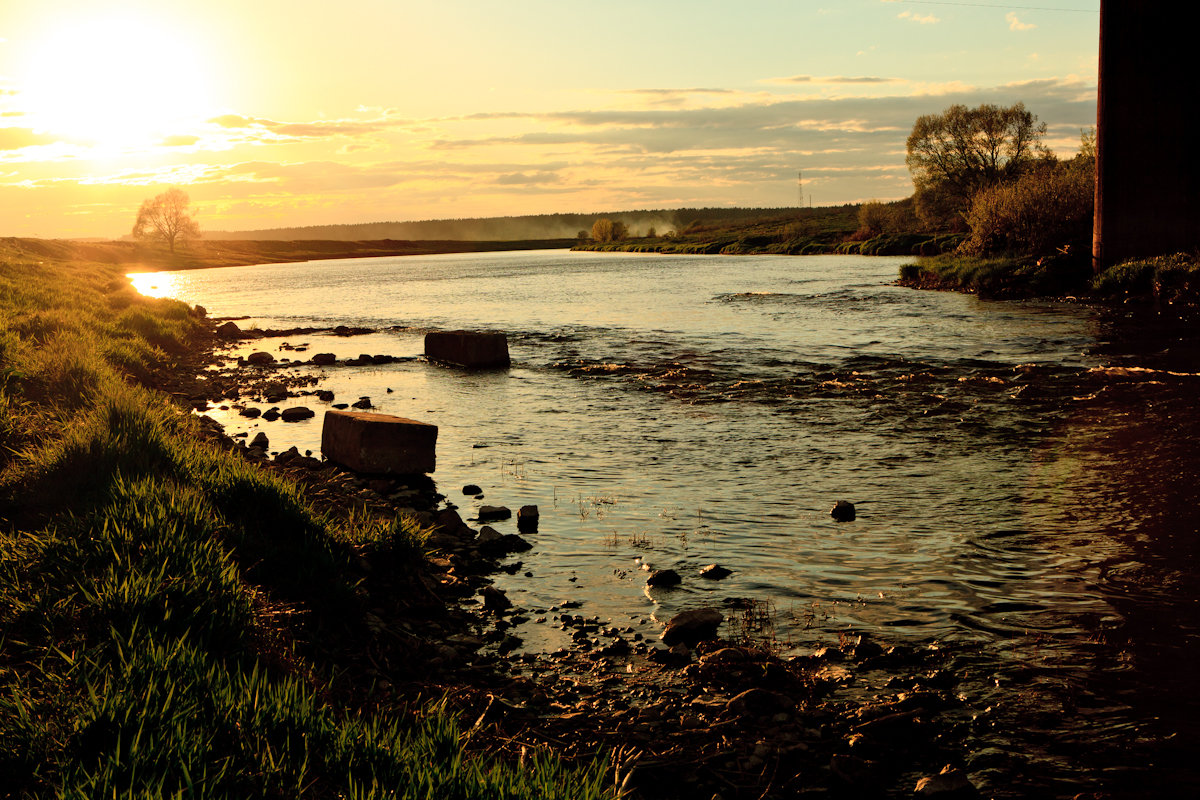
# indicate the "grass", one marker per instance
pixel 143 651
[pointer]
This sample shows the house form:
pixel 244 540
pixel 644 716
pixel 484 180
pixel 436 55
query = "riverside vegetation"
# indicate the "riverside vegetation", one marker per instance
pixel 174 620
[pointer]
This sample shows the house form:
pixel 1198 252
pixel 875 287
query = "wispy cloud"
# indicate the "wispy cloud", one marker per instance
pixel 920 19
pixel 1015 24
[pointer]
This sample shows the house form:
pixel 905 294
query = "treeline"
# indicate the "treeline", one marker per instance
pixel 495 229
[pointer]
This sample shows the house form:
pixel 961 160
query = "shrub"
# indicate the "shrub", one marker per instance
pixel 1045 210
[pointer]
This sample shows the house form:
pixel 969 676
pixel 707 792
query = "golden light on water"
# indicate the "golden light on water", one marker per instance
pixel 115 82
pixel 156 284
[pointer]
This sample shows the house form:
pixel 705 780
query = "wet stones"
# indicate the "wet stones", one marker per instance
pixel 474 350
pixel 843 511
pixel 472 489
pixel 692 627
pixel 362 403
pixel 260 358
pixel 324 359
pixel 715 572
pixel 379 443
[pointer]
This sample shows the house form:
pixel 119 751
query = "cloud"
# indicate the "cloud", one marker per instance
pixel 179 140
pixel 267 130
pixel 1015 24
pixel 528 179
pixel 860 79
pixel 920 19
pixel 20 138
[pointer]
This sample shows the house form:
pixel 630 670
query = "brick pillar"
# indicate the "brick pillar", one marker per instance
pixel 1147 131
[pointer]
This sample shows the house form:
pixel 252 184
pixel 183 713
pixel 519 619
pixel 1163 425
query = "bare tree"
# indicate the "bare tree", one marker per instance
pixel 167 218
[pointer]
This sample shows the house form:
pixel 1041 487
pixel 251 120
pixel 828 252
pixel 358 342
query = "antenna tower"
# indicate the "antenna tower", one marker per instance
pixel 800 189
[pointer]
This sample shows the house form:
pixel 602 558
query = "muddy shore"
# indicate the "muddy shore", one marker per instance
pixel 727 717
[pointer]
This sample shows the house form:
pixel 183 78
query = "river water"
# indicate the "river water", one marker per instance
pixel 1025 480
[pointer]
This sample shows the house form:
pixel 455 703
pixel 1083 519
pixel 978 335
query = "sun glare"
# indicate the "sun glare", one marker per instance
pixel 115 82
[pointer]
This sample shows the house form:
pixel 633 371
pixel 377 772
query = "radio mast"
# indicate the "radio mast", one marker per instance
pixel 800 190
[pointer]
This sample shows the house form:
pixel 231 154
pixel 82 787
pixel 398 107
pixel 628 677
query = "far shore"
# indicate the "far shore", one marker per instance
pixel 201 254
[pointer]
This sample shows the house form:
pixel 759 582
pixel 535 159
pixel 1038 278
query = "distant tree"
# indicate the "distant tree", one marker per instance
pixel 954 154
pixel 167 218
pixel 606 230
pixel 652 232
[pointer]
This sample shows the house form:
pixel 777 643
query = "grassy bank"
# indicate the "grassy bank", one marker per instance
pixel 176 621
pixel 137 256
pixel 1170 283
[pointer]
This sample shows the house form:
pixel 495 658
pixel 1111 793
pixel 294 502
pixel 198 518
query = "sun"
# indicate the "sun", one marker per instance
pixel 115 82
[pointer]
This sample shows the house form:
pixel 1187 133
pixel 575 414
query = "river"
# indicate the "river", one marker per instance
pixel 1026 484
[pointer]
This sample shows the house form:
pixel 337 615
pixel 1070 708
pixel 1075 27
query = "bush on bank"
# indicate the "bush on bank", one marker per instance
pixel 138 657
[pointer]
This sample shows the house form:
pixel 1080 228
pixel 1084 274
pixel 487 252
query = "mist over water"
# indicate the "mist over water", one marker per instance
pixel 1025 501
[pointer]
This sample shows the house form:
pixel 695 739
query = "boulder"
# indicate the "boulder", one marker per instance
pixel 949 783
pixel 271 414
pixel 379 443
pixel 275 392
pixel 843 511
pixel 475 350
pixel 715 572
pixel 494 600
pixel 691 627
pixel 527 519
pixel 260 358
pixel 251 412
pixel 260 440
pixel 325 395
pixel 472 489
pixel 296 413
pixel 664 577
pixel 229 330
pixel 491 513
pixel 324 359
pixel 362 402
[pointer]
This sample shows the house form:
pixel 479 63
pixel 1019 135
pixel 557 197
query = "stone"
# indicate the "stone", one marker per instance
pixel 275 392
pixel 325 396
pixel 664 577
pixel 527 518
pixel 260 358
pixel 759 703
pixel 251 412
pixel 488 537
pixel 843 511
pixel 379 443
pixel 494 600
pixel 692 627
pixel 512 543
pixel 260 440
pixel 229 330
pixel 362 402
pixel 288 455
pixel 492 513
pixel 296 413
pixel 472 489
pixel 475 350
pixel 949 783
pixel 271 414
pixel 715 572
pixel 324 359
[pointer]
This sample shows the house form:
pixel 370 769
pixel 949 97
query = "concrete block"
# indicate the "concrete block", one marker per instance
pixel 468 348
pixel 378 443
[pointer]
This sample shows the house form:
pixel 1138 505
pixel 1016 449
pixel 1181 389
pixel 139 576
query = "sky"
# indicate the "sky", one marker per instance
pixel 280 113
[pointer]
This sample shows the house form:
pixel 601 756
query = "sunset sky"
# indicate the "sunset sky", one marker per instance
pixel 305 112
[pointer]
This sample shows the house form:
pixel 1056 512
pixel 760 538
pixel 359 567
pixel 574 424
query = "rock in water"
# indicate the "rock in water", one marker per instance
pixel 324 359
pixel 664 577
pixel 491 513
pixel 715 572
pixel 229 330
pixel 296 413
pixel 527 519
pixel 949 783
pixel 260 358
pixel 470 349
pixel 260 440
pixel 843 511
pixel 691 627
pixel 379 443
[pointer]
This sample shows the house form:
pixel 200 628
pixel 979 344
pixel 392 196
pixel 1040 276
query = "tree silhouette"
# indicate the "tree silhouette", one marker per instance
pixel 167 218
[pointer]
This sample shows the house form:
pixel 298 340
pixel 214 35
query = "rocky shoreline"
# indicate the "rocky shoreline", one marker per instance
pixel 703 716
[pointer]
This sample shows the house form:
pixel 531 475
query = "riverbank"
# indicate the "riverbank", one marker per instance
pixel 204 253
pixel 186 607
